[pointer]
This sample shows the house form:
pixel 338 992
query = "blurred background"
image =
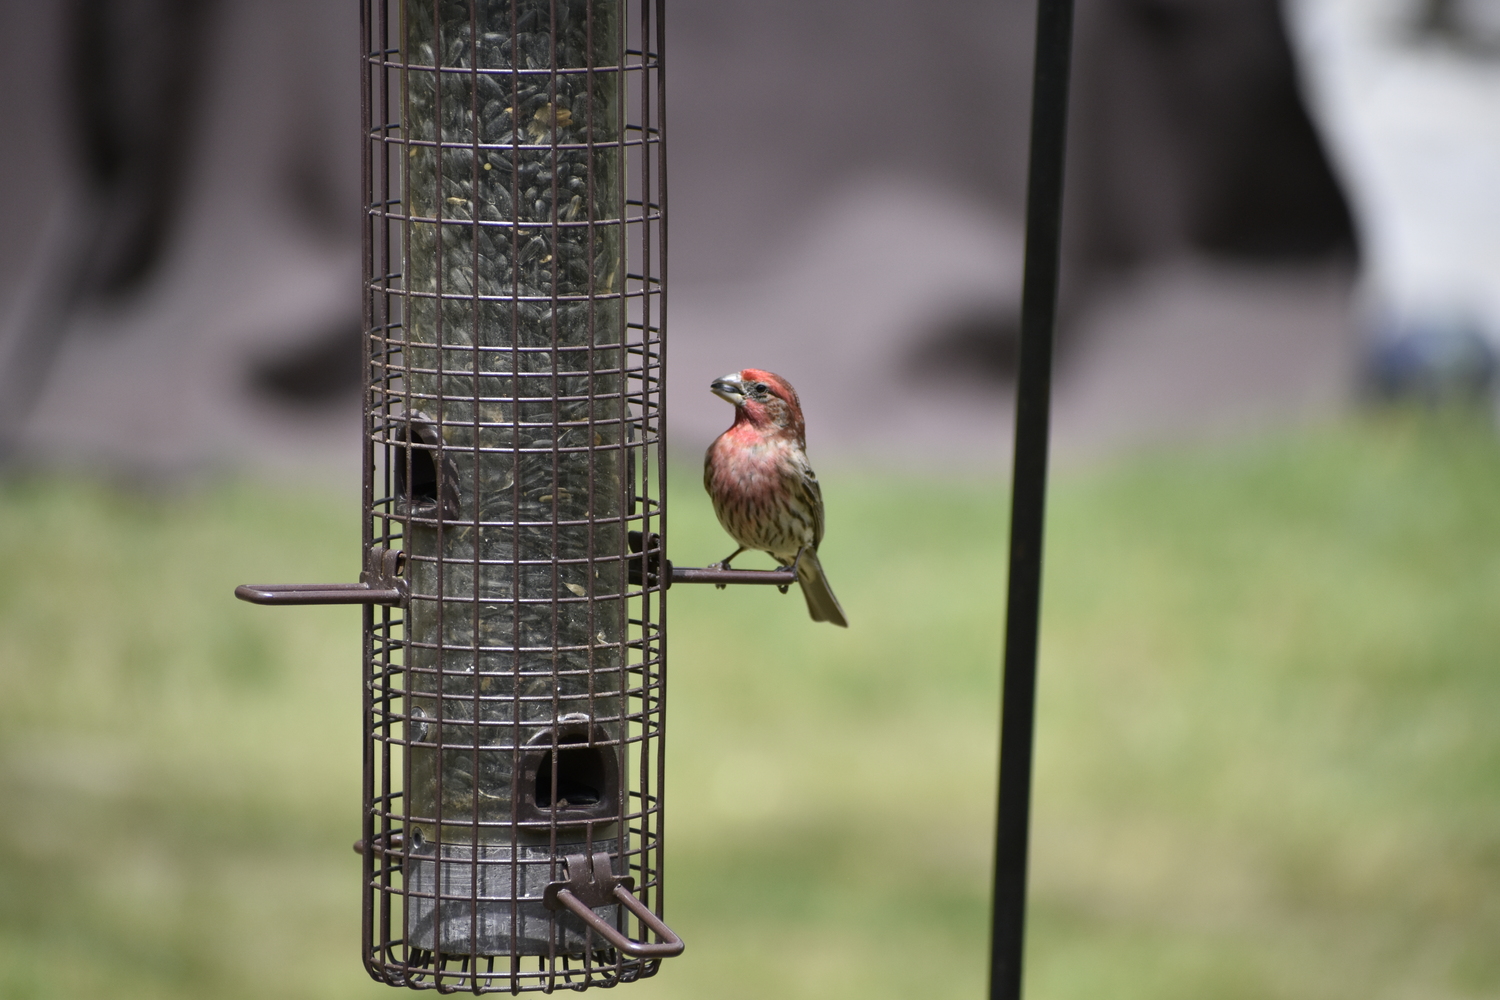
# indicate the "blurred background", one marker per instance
pixel 1267 759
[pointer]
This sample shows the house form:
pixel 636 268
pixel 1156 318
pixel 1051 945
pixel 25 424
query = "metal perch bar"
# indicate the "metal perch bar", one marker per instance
pixel 283 594
pixel 286 594
pixel 719 577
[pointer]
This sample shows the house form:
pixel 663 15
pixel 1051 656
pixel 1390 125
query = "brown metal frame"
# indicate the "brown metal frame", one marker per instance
pixel 515 577
pixel 471 878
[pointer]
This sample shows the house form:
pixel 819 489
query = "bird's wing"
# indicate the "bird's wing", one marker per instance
pixel 805 487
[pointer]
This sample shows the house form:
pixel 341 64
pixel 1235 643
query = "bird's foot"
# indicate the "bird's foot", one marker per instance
pixel 784 587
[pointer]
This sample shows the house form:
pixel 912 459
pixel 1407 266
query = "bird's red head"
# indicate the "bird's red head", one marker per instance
pixel 763 399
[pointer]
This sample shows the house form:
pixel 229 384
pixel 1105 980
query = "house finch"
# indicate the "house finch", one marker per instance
pixel 763 490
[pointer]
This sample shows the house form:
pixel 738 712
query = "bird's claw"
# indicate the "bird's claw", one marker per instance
pixel 783 587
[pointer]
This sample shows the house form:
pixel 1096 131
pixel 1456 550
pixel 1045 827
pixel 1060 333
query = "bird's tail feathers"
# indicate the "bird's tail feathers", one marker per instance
pixel 821 604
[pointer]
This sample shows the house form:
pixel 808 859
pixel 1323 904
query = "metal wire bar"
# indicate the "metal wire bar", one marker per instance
pixel 1049 124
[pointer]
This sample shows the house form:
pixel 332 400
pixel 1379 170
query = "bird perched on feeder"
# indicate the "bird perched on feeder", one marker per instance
pixel 764 492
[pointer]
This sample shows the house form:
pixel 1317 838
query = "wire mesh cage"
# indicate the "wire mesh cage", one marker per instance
pixel 515 254
pixel 514 697
pixel 514 434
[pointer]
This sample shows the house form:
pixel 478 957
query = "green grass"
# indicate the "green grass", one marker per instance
pixel 1268 757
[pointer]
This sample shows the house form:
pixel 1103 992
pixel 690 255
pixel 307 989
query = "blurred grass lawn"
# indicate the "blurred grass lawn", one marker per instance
pixel 1268 767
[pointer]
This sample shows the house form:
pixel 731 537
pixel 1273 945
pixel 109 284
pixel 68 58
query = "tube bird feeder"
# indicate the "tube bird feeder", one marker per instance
pixel 515 579
pixel 514 588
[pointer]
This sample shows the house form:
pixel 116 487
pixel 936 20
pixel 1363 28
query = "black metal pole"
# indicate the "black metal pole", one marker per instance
pixel 1044 196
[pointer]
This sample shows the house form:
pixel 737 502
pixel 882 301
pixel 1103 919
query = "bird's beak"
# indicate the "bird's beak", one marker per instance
pixel 729 388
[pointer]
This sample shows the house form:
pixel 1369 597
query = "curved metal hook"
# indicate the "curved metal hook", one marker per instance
pixel 591 883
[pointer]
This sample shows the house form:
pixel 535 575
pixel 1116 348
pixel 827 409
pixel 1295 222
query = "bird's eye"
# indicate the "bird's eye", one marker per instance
pixel 761 387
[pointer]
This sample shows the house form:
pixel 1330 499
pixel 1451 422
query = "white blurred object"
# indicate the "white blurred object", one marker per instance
pixel 1407 93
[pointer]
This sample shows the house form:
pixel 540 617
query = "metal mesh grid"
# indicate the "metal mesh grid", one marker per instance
pixel 515 265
